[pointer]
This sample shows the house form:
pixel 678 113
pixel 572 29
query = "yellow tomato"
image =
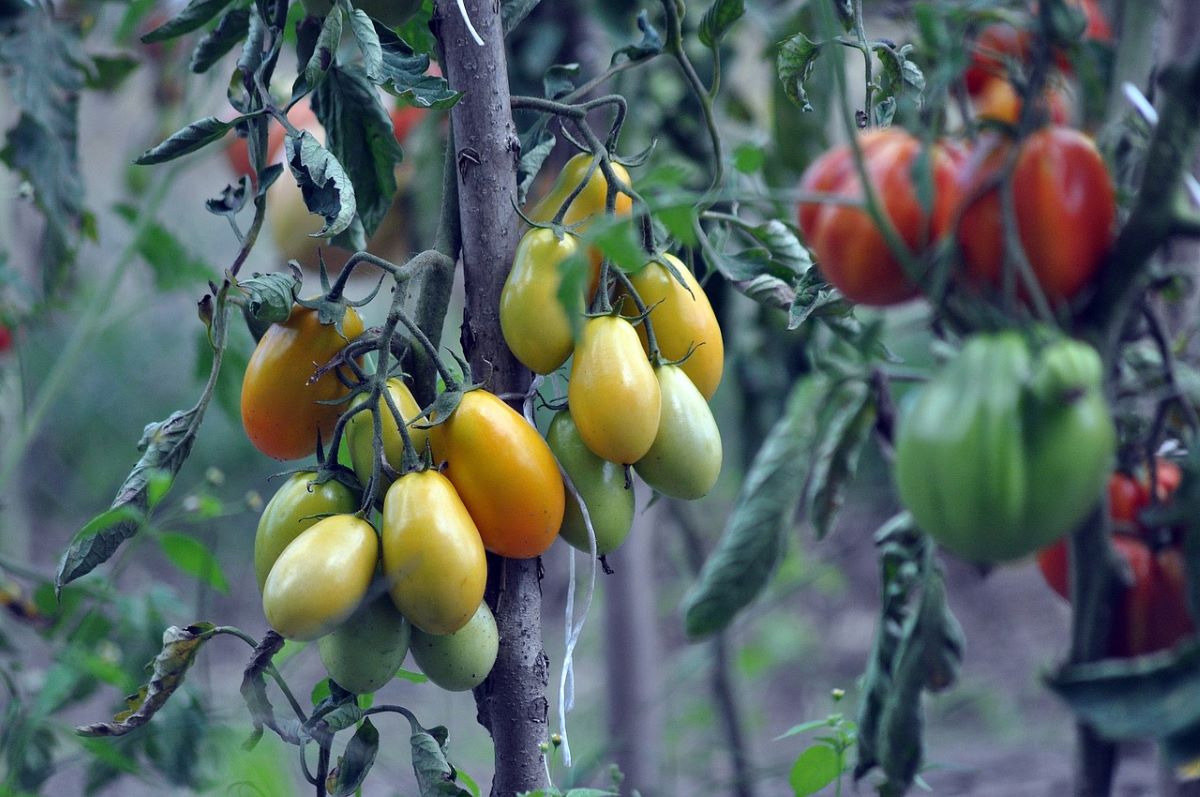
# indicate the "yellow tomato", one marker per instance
pixel 591 200
pixel 534 322
pixel 505 474
pixel 360 431
pixel 296 507
pixel 433 558
pixel 682 320
pixel 321 577
pixel 613 394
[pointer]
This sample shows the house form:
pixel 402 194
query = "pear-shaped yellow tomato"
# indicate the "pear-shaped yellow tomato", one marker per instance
pixel 685 460
pixel 433 558
pixel 296 507
pixel 505 474
pixel 321 577
pixel 360 432
pixel 281 412
pixel 613 393
pixel 590 202
pixel 535 324
pixel 682 322
pixel 601 485
pixel 462 660
pixel 363 653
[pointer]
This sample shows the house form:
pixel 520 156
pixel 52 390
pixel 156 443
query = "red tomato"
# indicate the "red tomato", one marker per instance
pixel 849 248
pixel 5 339
pixel 1065 210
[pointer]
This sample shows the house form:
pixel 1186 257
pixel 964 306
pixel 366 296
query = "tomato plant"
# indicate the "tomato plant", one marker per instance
pixel 433 557
pixel 515 499
pixel 281 411
pixel 320 578
pixel 613 394
pixel 1064 209
pixel 850 250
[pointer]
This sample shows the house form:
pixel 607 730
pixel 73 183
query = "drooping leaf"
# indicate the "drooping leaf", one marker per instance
pixel 196 136
pixel 756 533
pixel 228 33
pixel 353 765
pixel 650 45
pixel 435 776
pixel 192 17
pixel 369 46
pixel 405 75
pixel 797 56
pixel 719 19
pixel 323 182
pixel 165 446
pixel 835 460
pixel 269 297
pixel 254 692
pixel 180 646
pixel 324 53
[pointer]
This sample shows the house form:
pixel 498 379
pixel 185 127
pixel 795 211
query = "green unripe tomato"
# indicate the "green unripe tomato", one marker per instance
pixel 391 13
pixel 685 459
pixel 600 483
pixel 1007 449
pixel 363 653
pixel 321 577
pixel 462 660
pixel 296 506
pixel 360 431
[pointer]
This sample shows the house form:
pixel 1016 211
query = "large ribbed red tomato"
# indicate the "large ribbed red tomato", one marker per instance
pixel 850 250
pixel 1064 205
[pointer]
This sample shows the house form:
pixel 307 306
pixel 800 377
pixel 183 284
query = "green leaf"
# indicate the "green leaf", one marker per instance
pixel 324 53
pixel 361 138
pixel 195 136
pixel 650 45
pixel 165 446
pixel 353 765
pixel 615 237
pixel 680 222
pixel 327 190
pixel 404 75
pixel 108 72
pixel 228 33
pixel 195 559
pixel 797 56
pixel 269 297
pixel 172 265
pixel 815 768
pixel 719 19
pixel 180 646
pixel 435 776
pixel 412 677
pixel 749 159
pixel 194 16
pixel 363 29
pixel 803 727
pixel 836 459
pixel 756 533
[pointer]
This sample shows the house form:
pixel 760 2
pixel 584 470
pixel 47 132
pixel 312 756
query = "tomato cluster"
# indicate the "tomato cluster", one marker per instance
pixel 631 401
pixel 1153 612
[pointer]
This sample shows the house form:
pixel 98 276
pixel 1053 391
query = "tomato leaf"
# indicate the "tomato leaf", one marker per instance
pixel 353 765
pixel 756 532
pixel 195 559
pixel 180 646
pixel 193 16
pixel 327 190
pixel 171 264
pixel 815 768
pixel 650 45
pixel 254 692
pixel 195 136
pixel 166 445
pixel 435 776
pixel 269 297
pixel 513 11
pixel 360 137
pixel 835 460
pixel 795 62
pixel 404 75
pixel 718 20
pixel 368 43
pixel 230 31
pixel 108 72
pixel 324 54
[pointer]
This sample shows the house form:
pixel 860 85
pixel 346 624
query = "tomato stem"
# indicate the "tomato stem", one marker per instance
pixel 644 313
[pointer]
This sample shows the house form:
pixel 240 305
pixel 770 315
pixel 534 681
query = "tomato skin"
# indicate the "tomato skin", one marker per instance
pixel 1006 450
pixel 998 101
pixel 535 324
pixel 460 661
pixel 682 320
pixel 296 506
pixel 360 430
pixel 433 558
pixel 280 411
pixel 685 460
pixel 363 653
pixel 1065 209
pixel 601 485
pixel 613 394
pixel 321 577
pixel 504 473
pixel 591 202
pixel 850 249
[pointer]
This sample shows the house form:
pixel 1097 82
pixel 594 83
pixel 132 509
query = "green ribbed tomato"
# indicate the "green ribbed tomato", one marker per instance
pixel 321 577
pixel 296 506
pixel 1008 448
pixel 363 653
pixel 685 459
pixel 600 483
pixel 462 660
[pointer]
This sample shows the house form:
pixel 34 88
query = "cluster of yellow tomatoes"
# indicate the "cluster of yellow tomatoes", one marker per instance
pixel 634 398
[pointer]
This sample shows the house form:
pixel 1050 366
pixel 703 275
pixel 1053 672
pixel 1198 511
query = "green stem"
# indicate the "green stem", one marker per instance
pixel 674 11
pixel 860 31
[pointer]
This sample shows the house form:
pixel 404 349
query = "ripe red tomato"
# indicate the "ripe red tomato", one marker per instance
pixel 1065 208
pixel 5 339
pixel 850 249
